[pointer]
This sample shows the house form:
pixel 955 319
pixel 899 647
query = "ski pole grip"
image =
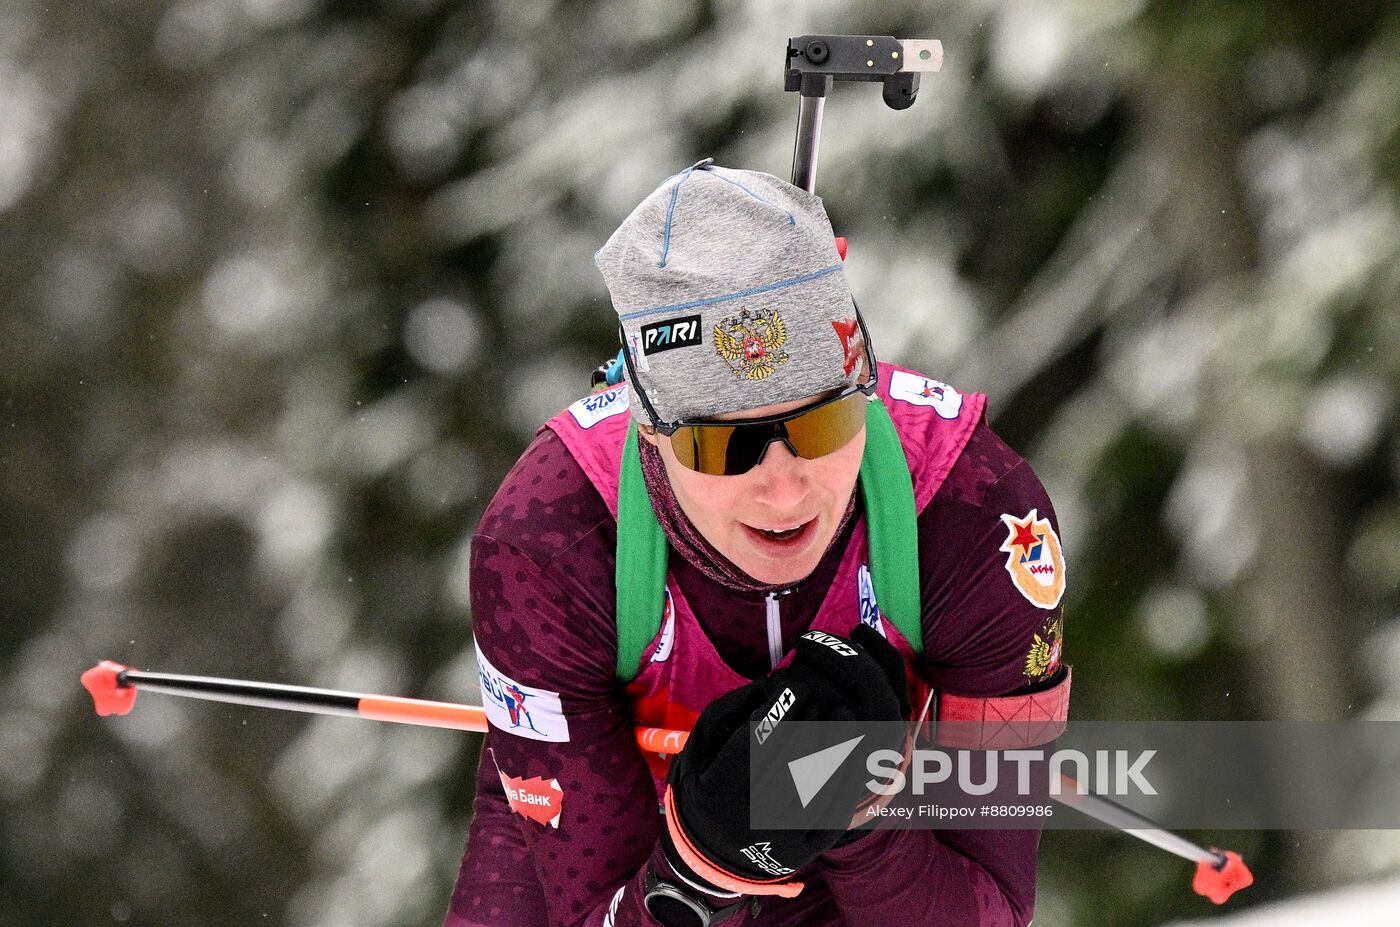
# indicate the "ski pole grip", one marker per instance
pixel 106 684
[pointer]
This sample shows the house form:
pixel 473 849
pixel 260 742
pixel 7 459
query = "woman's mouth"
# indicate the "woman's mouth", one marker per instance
pixel 781 540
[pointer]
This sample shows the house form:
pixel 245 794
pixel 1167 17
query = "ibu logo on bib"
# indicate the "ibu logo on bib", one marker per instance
pixel 921 391
pixel 590 410
pixel 865 600
pixel 519 709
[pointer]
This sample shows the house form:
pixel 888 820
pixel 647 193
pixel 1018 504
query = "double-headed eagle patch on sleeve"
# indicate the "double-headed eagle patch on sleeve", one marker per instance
pixel 750 343
pixel 1044 656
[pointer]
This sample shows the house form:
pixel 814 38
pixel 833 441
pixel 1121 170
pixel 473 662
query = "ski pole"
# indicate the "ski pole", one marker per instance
pixel 1219 873
pixel 113 688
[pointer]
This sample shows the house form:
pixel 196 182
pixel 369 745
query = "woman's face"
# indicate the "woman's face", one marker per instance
pixel 749 517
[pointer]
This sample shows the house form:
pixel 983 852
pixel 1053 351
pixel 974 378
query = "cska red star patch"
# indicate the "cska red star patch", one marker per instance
pixel 1034 559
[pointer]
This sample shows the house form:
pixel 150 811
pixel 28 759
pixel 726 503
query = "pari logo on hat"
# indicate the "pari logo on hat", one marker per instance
pixel 682 332
pixel 749 342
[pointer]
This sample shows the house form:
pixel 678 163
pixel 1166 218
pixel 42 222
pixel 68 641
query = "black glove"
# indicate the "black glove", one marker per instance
pixel 708 797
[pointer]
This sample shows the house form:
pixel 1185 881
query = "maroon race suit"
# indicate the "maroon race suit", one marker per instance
pixel 566 814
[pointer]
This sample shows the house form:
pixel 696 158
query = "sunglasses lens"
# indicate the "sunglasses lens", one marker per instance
pixel 728 450
pixel 704 449
pixel 827 428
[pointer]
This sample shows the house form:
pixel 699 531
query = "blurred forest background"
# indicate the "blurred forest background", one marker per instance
pixel 288 285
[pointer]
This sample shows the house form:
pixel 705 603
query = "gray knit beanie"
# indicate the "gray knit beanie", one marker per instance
pixel 731 295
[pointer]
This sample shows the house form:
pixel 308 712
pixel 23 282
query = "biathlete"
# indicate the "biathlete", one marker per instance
pixel 761 523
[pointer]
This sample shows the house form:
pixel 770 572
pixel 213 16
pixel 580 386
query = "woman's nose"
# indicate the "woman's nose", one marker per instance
pixel 781 474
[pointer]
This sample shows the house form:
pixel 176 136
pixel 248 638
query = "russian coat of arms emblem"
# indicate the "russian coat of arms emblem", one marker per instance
pixel 751 343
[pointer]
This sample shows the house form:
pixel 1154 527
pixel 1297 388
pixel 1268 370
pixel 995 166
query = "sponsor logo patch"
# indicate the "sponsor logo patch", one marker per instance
pixel 750 341
pixel 765 725
pixel 865 600
pixel 835 643
pixel 683 332
pixel 1044 656
pixel 852 343
pixel 668 631
pixel 517 709
pixel 921 391
pixel 534 798
pixel 1034 559
pixel 590 410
